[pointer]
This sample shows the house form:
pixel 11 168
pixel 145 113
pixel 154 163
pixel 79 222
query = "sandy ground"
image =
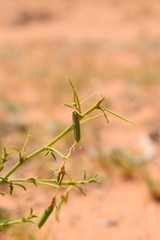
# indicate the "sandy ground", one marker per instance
pixel 110 47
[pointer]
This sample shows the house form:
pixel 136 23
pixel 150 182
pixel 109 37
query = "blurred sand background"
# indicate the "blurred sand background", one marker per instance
pixel 110 47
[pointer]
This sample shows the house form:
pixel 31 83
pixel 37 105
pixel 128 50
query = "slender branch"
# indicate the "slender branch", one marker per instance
pixel 7 223
pixel 49 181
pixel 67 130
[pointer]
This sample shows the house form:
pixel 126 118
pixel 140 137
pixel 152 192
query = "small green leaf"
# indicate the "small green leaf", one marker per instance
pixel 20 185
pixel 31 211
pixel 50 152
pixel 32 180
pixel 95 176
pixel 94 179
pixel 81 189
pixel 1 167
pixel 2 194
pixel 3 157
pixel 11 188
pixel 47 153
pixel 31 215
pixel 53 156
pixel 106 117
pixel 6 153
pixel 34 216
pixel 84 176
pixel 16 149
pixel 68 105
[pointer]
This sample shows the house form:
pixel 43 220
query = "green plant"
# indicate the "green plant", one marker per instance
pixel 57 181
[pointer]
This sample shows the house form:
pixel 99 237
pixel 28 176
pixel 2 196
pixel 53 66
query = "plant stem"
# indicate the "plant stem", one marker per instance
pixel 49 181
pixel 67 130
pixel 14 222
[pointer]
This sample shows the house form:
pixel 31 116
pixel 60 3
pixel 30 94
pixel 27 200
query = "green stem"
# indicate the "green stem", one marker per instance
pixel 67 130
pixel 49 181
pixel 7 223
pixel 16 166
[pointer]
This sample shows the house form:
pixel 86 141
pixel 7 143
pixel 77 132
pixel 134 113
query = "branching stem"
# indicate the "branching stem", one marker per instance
pixel 62 134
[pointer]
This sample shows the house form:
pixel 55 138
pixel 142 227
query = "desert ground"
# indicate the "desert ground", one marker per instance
pixel 107 48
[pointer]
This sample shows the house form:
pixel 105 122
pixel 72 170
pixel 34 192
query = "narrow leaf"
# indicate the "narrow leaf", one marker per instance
pixel 81 189
pixel 47 153
pixel 106 117
pixel 119 116
pixel 84 176
pixel 31 211
pixel 68 105
pixel 11 188
pixel 16 149
pixel 32 180
pixel 20 185
pixel 53 156
pixel 5 153
pixel 96 175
